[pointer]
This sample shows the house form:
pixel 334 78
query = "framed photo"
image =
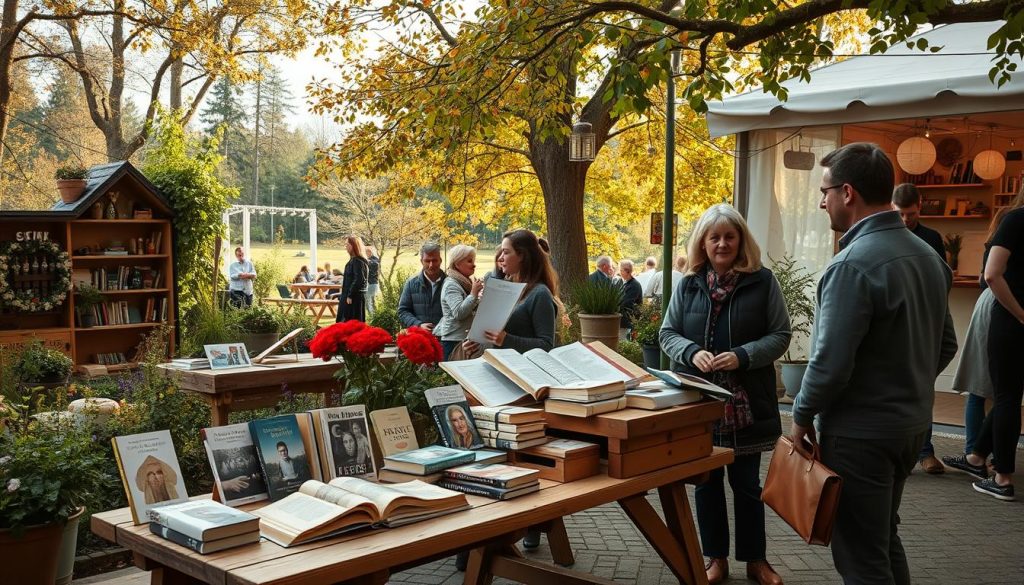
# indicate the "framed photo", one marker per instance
pixel 932 207
pixel 225 356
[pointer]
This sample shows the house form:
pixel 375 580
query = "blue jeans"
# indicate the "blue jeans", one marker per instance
pixel 449 347
pixel 712 516
pixel 974 416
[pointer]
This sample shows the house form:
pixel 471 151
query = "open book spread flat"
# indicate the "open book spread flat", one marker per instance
pixel 688 382
pixel 319 510
pixel 537 372
pixel 489 386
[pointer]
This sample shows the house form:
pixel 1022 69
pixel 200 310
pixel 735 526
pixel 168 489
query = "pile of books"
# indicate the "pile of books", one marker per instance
pixel 510 427
pixel 426 464
pixel 498 481
pixel 190 363
pixel 204 526
pixel 585 402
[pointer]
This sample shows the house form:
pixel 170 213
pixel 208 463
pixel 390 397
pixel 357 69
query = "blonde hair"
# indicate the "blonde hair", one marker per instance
pixel 749 257
pixel 357 246
pixel 680 264
pixel 459 253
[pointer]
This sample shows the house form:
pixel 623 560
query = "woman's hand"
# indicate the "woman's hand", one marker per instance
pixel 727 361
pixel 495 337
pixel 478 286
pixel 704 361
pixel 470 347
pixel 348 301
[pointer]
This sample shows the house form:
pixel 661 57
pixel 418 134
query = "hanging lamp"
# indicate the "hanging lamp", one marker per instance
pixel 989 164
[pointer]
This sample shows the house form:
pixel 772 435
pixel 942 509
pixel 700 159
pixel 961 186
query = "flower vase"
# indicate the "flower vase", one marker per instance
pixel 96 211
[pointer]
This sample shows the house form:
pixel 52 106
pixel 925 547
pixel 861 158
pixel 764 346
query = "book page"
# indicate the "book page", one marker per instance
pixel 386 497
pixel 521 370
pixel 587 364
pixel 299 513
pixel 338 497
pixel 552 366
pixel 484 382
pixel 496 305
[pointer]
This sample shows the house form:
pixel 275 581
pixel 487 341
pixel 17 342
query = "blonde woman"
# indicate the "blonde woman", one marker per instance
pixel 460 293
pixel 727 323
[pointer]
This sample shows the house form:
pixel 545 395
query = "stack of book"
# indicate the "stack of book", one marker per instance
pixel 585 402
pixel 204 526
pixel 501 482
pixel 426 464
pixel 510 427
pixel 190 363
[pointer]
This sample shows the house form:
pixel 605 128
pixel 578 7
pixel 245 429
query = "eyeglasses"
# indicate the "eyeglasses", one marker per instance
pixel 825 190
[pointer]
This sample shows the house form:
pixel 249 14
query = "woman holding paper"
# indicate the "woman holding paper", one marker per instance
pixel 460 293
pixel 727 323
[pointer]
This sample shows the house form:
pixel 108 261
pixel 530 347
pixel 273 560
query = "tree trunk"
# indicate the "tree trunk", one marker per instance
pixel 7 37
pixel 177 70
pixel 562 182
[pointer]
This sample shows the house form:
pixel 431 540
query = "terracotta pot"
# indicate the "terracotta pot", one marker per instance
pixel 32 558
pixel 603 328
pixel 70 189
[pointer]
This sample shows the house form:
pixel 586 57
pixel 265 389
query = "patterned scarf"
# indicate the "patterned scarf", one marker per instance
pixel 738 414
pixel 460 278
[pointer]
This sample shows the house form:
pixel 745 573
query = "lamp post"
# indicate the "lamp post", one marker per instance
pixel 668 240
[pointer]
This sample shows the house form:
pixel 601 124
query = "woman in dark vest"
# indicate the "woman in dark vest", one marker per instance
pixel 352 300
pixel 727 323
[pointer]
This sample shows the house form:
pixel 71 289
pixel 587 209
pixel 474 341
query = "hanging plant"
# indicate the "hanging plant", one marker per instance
pixel 57 263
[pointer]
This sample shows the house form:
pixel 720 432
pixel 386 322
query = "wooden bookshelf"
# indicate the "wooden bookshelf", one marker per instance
pixel 953 186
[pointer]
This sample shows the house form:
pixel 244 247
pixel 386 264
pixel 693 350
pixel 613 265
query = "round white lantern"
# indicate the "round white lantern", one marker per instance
pixel 989 164
pixel 916 155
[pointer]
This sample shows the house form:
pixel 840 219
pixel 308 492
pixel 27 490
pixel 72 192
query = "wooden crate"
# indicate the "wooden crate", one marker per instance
pixel 552 465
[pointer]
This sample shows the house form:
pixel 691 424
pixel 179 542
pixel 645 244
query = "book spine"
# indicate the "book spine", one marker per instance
pixel 176 537
pixel 124 480
pixel 474 489
pixel 488 481
pixel 175 524
pixel 502 443
pixel 440 427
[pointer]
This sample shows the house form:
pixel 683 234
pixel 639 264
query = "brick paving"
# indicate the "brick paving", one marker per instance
pixel 952 535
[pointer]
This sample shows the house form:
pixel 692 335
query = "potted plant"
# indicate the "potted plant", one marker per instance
pixel 954 243
pixel 88 297
pixel 646 326
pixel 599 312
pixel 71 182
pixel 39 364
pixel 795 281
pixel 261 327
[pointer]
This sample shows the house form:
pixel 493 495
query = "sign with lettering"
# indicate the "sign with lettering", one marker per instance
pixel 31 236
pixel 657 227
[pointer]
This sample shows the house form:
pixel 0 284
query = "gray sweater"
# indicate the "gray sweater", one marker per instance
pixel 532 323
pixel 456 311
pixel 882 333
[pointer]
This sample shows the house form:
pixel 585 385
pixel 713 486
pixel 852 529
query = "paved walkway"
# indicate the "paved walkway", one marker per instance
pixel 952 536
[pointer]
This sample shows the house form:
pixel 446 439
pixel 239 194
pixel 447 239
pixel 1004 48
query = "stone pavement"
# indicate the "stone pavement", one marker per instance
pixel 952 535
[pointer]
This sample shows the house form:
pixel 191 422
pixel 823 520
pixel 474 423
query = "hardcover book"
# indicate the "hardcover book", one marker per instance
pixel 688 382
pixel 489 386
pixel 346 444
pixel 394 431
pixel 659 395
pixel 538 372
pixel 453 417
pixel 282 455
pixel 497 475
pixel 512 436
pixel 514 445
pixel 486 425
pixel 235 464
pixel 149 471
pixel 204 520
pixel 201 547
pixel 584 409
pixel 488 491
pixel 428 460
pixel 508 414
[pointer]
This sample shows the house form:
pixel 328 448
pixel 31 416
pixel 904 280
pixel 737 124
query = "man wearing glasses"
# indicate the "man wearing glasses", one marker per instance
pixel 883 333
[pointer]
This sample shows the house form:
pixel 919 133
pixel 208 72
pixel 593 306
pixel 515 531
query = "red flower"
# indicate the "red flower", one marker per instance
pixel 369 341
pixel 420 346
pixel 330 341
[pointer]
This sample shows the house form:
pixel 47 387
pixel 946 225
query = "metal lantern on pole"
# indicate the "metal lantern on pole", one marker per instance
pixel 582 142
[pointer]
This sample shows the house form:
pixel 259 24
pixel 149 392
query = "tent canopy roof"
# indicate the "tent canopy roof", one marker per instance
pixel 903 83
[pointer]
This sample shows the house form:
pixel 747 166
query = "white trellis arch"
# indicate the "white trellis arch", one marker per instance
pixel 248 210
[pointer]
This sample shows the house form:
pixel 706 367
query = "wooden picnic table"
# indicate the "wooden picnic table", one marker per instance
pixel 259 386
pixel 490 529
pixel 319 289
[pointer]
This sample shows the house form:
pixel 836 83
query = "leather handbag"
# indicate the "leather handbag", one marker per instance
pixel 802 490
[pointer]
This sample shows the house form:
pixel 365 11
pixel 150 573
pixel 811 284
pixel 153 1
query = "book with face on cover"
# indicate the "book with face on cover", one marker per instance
pixel 394 431
pixel 453 417
pixel 235 464
pixel 346 445
pixel 282 454
pixel 149 471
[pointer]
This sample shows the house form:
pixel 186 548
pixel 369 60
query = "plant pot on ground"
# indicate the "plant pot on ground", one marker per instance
pixel 795 282
pixel 261 327
pixel 646 327
pixel 39 364
pixel 71 183
pixel 599 312
pixel 87 297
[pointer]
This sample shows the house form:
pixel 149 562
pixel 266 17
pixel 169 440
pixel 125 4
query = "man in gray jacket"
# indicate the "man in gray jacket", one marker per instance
pixel 420 303
pixel 882 334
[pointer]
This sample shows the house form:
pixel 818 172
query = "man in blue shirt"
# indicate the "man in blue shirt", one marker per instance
pixel 241 274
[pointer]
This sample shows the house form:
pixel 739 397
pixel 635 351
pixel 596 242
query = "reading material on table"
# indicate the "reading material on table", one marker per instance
pixel 149 471
pixel 235 464
pixel 495 307
pixel 344 442
pixel 204 520
pixel 597 361
pixel 658 395
pixel 319 510
pixel 688 382
pixel 584 409
pixel 515 415
pixel 536 373
pixel 489 386
pixel 430 459
pixel 453 417
pixel 394 431
pixel 282 454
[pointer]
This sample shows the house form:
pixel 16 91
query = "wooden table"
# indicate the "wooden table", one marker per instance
pixel 257 386
pixel 490 529
pixel 319 289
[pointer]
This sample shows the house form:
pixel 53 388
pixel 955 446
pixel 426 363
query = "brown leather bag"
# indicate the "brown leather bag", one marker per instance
pixel 802 491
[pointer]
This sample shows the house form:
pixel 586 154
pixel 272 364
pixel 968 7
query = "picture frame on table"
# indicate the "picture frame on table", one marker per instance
pixel 226 356
pixel 932 207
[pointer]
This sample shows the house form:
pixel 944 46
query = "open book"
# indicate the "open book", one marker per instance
pixel 319 510
pixel 688 382
pixel 537 372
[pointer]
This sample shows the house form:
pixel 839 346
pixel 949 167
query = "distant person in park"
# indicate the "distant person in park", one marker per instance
pixel 241 274
pixel 603 272
pixel 373 280
pixel 352 300
pixel 972 373
pixel 871 377
pixel 460 294
pixel 632 296
pixel 420 302
pixel 727 323
pixel 303 275
pixel 656 283
pixel 650 267
pixel 906 199
pixel 326 274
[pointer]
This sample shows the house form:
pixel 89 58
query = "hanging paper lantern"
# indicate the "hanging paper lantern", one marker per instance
pixel 989 164
pixel 916 155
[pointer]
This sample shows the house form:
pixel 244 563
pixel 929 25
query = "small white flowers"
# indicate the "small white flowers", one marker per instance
pixel 5 460
pixel 13 484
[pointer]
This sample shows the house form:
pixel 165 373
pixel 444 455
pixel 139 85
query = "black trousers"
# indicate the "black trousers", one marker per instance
pixel 239 299
pixel 355 310
pixel 865 545
pixel 1001 428
pixel 748 509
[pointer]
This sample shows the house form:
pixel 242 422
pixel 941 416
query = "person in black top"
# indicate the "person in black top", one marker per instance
pixel 352 300
pixel 373 280
pixel 632 296
pixel 906 199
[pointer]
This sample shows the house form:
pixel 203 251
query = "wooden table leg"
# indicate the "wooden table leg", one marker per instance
pixel 220 408
pixel 378 578
pixel 677 553
pixel 161 575
pixel 558 540
pixel 478 567
pixel 679 519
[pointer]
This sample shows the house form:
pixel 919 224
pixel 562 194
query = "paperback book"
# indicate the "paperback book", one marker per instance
pixel 453 417
pixel 496 475
pixel 688 382
pixel 488 491
pixel 428 460
pixel 514 445
pixel 346 446
pixel 584 409
pixel 515 415
pixel 282 455
pixel 538 373
pixel 658 395
pixel 394 431
pixel 149 471
pixel 235 464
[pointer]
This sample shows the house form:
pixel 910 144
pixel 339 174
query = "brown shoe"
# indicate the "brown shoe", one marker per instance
pixel 763 573
pixel 717 570
pixel 932 465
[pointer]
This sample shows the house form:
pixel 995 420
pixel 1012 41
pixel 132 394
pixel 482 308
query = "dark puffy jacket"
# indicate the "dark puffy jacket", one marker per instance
pixel 754 324
pixel 418 304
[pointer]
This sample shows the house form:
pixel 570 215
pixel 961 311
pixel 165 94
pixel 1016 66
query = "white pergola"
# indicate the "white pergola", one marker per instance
pixel 248 210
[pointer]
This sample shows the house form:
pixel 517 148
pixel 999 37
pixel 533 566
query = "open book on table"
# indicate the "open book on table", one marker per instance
pixel 689 382
pixel 537 372
pixel 319 510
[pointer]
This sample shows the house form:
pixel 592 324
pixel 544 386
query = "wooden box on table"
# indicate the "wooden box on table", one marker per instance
pixel 559 462
pixel 638 441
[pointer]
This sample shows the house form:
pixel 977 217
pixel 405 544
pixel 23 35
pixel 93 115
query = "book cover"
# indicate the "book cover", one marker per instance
pixel 490 456
pixel 428 460
pixel 149 471
pixel 487 491
pixel 281 453
pixel 235 464
pixel 453 417
pixel 204 548
pixel 688 382
pixel 310 445
pixel 394 431
pixel 349 452
pixel 658 395
pixel 493 474
pixel 204 520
